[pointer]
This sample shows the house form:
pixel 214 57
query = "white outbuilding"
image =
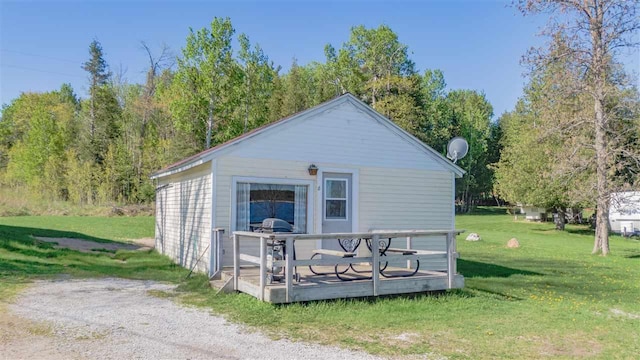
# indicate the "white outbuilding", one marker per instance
pixel 533 213
pixel 624 212
pixel 339 167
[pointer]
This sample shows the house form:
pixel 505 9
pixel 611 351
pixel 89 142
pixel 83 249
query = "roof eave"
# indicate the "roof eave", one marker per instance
pixel 195 162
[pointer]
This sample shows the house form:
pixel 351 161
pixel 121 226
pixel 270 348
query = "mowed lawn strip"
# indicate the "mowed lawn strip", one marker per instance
pixel 23 258
pixel 548 298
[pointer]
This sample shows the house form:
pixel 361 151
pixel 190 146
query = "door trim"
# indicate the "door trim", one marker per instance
pixel 355 204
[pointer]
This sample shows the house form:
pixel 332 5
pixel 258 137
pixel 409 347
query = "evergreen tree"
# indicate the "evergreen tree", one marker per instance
pixel 103 108
pixel 99 74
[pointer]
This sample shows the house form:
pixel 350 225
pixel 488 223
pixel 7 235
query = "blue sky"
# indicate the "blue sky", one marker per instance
pixel 478 44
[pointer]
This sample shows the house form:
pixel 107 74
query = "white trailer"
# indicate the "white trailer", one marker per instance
pixel 624 213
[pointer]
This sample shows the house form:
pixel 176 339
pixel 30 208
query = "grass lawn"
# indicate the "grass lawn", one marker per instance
pixel 22 258
pixel 548 298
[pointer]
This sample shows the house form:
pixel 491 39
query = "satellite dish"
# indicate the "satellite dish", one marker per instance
pixel 457 148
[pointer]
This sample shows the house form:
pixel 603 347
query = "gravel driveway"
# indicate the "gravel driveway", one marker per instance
pixel 117 319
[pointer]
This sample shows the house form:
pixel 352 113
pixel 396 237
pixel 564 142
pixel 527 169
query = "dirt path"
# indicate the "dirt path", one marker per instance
pixel 89 246
pixel 118 319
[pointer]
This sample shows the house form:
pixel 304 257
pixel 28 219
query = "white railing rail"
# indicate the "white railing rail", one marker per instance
pixel 289 264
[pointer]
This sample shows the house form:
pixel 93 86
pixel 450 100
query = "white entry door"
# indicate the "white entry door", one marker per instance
pixel 337 206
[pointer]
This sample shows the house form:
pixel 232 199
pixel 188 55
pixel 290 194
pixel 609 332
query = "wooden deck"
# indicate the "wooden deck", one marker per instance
pixel 321 287
pixel 295 282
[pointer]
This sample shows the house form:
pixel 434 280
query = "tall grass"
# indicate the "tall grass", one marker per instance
pixel 18 201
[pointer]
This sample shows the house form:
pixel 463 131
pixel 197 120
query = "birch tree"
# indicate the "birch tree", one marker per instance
pixel 258 74
pixel 381 57
pixel 203 77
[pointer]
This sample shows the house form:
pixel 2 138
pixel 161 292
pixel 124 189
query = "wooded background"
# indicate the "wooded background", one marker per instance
pixel 102 149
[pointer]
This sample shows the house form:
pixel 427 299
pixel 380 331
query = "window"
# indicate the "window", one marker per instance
pixel 258 201
pixel 335 198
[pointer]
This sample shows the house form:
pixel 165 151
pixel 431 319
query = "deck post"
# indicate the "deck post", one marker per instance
pixel 289 269
pixel 236 261
pixel 454 252
pixel 375 267
pixel 263 265
pixel 450 260
pixel 409 238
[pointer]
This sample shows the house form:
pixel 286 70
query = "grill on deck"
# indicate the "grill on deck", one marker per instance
pixel 276 249
pixel 274 225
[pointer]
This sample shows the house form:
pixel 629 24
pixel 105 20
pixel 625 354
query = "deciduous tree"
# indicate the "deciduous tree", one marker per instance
pixel 590 35
pixel 206 73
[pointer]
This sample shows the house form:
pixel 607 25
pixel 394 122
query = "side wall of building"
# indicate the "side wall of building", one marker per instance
pixel 183 216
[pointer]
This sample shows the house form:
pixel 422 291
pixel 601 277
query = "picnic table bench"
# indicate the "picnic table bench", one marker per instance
pixel 350 246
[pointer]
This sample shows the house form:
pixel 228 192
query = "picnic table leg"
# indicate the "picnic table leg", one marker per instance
pixel 402 275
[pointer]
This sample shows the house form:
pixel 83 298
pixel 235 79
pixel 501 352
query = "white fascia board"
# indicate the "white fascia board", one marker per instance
pixel 187 166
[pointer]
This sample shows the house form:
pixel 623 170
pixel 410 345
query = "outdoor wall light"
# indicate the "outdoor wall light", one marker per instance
pixel 313 169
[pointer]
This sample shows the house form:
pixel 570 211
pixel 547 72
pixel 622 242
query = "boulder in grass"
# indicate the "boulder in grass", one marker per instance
pixel 473 237
pixel 513 243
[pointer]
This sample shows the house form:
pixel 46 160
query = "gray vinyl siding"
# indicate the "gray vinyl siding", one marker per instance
pixel 230 167
pixel 408 200
pixel 340 135
pixel 398 199
pixel 399 185
pixel 183 217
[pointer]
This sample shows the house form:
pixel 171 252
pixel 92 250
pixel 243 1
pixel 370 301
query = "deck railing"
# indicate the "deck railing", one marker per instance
pixel 289 264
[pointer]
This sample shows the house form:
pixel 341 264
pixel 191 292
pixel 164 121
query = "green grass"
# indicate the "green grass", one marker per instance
pixel 94 228
pixel 548 298
pixel 22 258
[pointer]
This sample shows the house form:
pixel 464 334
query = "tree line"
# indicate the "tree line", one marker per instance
pixel 572 140
pixel 102 149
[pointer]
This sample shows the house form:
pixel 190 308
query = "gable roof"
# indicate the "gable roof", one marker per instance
pixel 211 153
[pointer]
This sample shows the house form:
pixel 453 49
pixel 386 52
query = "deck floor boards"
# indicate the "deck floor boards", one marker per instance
pixel 317 287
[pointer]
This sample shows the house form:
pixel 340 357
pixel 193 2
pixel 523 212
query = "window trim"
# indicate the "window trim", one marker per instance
pixel 275 181
pixel 325 198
